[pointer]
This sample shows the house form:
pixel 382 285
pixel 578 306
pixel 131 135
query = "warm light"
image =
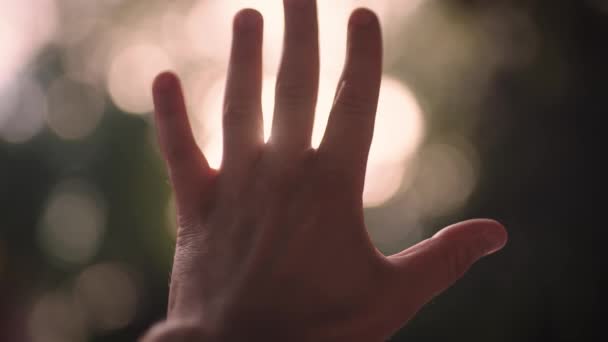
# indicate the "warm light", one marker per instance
pixel 131 74
pixel 73 223
pixel 209 26
pixel 382 182
pixel 398 133
pixel 399 128
pixel 75 109
pixel 108 294
pixel 324 102
pixel 26 26
pixel 206 122
pixel 439 181
pixel 175 36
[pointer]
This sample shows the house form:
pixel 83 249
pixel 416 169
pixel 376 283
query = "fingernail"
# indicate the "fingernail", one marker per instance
pixel 363 17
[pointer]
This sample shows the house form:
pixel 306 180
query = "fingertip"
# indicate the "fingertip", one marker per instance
pixel 365 36
pixel 248 19
pixel 363 17
pixel 493 234
pixel 164 81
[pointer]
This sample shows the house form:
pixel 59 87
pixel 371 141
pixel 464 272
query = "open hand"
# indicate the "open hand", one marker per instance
pixel 273 246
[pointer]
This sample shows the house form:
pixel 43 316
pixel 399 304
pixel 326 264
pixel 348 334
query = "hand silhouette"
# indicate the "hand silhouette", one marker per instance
pixel 272 246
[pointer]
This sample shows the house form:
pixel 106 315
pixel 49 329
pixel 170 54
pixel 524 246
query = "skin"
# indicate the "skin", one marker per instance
pixel 272 246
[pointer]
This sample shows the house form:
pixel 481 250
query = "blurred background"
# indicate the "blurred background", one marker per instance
pixel 487 109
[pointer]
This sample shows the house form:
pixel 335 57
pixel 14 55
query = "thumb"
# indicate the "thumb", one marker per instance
pixel 433 265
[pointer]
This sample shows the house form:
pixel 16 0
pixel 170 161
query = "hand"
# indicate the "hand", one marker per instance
pixel 273 246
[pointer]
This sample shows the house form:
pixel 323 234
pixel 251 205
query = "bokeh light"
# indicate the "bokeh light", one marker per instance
pixel 56 317
pixel 209 27
pixel 446 176
pixel 88 60
pixel 79 18
pixel 74 109
pixel 131 74
pixel 108 294
pixel 382 181
pixel 22 111
pixel 399 127
pixel 71 70
pixel 73 224
pixel 26 26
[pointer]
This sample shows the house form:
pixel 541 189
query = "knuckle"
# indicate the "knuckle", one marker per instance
pixel 355 105
pixel 294 93
pixel 300 38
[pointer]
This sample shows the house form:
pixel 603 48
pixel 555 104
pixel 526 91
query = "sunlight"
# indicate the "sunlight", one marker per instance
pixel 398 133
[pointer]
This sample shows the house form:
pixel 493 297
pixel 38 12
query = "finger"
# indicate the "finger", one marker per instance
pixel 242 121
pixel 298 79
pixel 188 168
pixel 351 123
pixel 432 266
